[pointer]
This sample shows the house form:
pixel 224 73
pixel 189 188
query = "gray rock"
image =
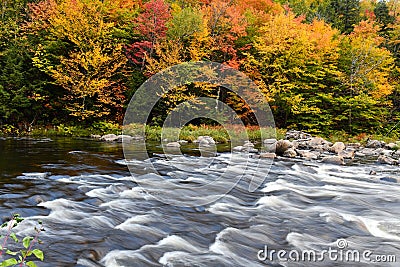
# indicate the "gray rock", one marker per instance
pixel 369 152
pixel 374 144
pixel 183 142
pixel 386 160
pixel 238 149
pixel 318 141
pixel 347 154
pixel 359 154
pixel 354 145
pixel 333 160
pixel 267 155
pixel 308 155
pixel 124 138
pixel 173 144
pixel 205 140
pixel 282 146
pixel 109 137
pixel 248 144
pixel 337 147
pixel 293 134
pixel 390 146
pixel 290 153
pixel 95 136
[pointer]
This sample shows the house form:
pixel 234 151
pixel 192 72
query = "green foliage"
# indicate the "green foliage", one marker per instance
pixel 21 256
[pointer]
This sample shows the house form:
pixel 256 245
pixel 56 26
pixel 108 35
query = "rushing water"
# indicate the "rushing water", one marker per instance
pixel 96 215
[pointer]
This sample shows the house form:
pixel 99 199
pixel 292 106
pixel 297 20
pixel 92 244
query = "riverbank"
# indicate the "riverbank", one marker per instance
pixel 188 133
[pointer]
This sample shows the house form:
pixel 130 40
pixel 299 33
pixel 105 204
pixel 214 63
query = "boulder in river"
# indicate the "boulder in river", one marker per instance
pixel 282 146
pixel 333 160
pixel 173 145
pixel 386 160
pixel 391 146
pixel 337 147
pixel 308 155
pixel 290 153
pixel 347 154
pixel 375 144
pixel 109 137
pixel 267 155
pixel 317 141
pixel 293 134
pixel 205 140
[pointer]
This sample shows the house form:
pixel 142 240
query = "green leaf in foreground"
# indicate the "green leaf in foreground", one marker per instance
pixel 38 254
pixel 27 241
pixel 9 262
pixel 31 264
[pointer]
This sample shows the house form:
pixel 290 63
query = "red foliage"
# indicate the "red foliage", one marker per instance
pixel 152 23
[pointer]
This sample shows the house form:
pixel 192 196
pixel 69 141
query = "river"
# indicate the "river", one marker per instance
pixel 95 214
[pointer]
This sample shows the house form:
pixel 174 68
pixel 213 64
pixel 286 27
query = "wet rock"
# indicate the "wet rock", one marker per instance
pixel 248 144
pixel 354 145
pixel 359 154
pixel 95 136
pixel 183 142
pixel 308 155
pixel 347 154
pixel 337 147
pixel 238 149
pixel 109 137
pixel 372 172
pixel 293 134
pixel 173 144
pixel 374 144
pixel 369 152
pixel 333 160
pixel 282 146
pixel 386 152
pixel 205 140
pixel 386 160
pixel 390 146
pixel 267 155
pixel 290 153
pixel 123 138
pixel 318 142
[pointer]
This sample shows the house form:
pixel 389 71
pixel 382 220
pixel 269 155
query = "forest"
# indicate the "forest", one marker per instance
pixel 323 65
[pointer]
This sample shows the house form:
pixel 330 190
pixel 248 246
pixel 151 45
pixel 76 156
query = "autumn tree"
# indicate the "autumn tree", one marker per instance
pixel 90 65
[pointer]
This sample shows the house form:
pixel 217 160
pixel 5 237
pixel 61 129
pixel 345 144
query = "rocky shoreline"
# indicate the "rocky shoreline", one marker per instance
pixel 296 144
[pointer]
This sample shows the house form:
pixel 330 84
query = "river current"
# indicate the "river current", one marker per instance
pixel 95 214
